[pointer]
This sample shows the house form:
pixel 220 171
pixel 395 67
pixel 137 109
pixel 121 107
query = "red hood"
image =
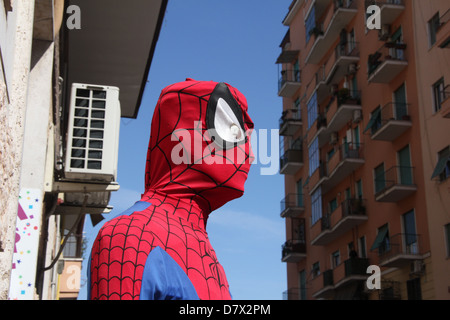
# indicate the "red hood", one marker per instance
pixel 191 125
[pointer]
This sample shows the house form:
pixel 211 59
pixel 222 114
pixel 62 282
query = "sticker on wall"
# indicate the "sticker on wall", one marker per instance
pixel 23 273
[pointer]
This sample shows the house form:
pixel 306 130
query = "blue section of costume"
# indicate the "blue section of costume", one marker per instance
pixel 138 206
pixel 163 279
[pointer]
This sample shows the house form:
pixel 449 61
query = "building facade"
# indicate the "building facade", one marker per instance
pixel 70 71
pixel 360 144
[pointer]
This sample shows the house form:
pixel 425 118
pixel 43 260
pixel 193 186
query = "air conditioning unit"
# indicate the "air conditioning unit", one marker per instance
pixel 352 68
pixel 417 267
pixel 357 116
pixel 93 133
pixel 334 138
pixel 385 32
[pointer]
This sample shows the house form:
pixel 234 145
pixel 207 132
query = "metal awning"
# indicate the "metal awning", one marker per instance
pixel 114 46
pixel 379 240
pixel 287 56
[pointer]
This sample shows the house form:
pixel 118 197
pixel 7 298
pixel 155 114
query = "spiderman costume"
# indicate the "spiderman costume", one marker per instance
pixel 198 159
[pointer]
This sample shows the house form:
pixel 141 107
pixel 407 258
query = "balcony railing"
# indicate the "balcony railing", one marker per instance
pixel 387 63
pixel 289 82
pixel 395 184
pixel 390 122
pixel 292 158
pixel 342 108
pixel 400 250
pixel 347 158
pixel 292 205
pixel 338 65
pixel 356 266
pixel 443 32
pixel 293 251
pixel 328 29
pixel 292 294
pixel 352 212
pixel 290 122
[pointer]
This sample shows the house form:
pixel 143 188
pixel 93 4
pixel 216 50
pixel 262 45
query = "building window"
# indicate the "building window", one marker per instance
pixel 333 205
pixel 310 23
pixel 447 238
pixel 316 206
pixel 297 111
pixel 380 179
pixel 314 156
pixel 409 228
pixel 442 169
pixel 335 259
pixel 374 122
pixel 433 26
pixel 414 289
pixel 312 110
pixel 382 242
pixel 303 285
pixel 362 247
pixel 438 94
pixel 359 190
pixel 315 270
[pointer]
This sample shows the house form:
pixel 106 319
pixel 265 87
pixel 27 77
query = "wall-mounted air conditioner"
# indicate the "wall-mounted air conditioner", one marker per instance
pixel 93 133
pixel 333 138
pixel 357 116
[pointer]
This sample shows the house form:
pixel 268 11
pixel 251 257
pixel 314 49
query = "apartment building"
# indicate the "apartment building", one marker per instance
pixel 71 69
pixel 364 141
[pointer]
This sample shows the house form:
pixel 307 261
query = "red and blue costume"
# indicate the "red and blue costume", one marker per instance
pixel 159 248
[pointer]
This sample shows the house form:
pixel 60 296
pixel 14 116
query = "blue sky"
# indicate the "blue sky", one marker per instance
pixel 235 42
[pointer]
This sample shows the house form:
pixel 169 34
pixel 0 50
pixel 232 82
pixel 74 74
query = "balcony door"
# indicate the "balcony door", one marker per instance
pixel 410 236
pixel 299 193
pixel 400 102
pixel 405 170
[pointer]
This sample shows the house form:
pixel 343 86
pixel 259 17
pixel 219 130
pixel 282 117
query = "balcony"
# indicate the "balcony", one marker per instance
pixel 293 251
pixel 292 159
pixel 290 122
pixel 293 9
pixel 351 213
pixel 323 285
pixel 395 184
pixel 288 83
pixel 319 131
pixel 292 206
pixel 341 282
pixel 292 294
pixel 390 9
pixel 340 64
pixel 342 109
pixel 346 159
pixel 400 250
pixel 445 104
pixel 387 63
pixel 327 31
pixel 443 32
pixel 390 122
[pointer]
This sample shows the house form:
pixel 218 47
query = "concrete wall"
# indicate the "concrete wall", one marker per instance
pixel 15 42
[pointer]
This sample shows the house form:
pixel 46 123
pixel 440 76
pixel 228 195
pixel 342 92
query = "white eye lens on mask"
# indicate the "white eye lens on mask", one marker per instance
pixel 224 118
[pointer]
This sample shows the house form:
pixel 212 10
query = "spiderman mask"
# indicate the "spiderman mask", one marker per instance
pixel 198 159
